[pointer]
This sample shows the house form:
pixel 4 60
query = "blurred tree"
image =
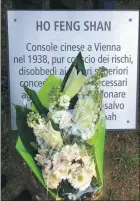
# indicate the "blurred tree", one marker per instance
pixel 106 4
pixel 28 4
pixel 61 4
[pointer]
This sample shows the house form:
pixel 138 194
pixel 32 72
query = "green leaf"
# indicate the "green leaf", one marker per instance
pixel 34 145
pixel 43 93
pixel 92 141
pixel 79 65
pixel 73 102
pixel 25 132
pixel 35 99
pixel 31 163
pixel 98 142
pixel 29 160
pixel 55 126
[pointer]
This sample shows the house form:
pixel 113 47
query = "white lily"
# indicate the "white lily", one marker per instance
pixel 52 137
pixel 74 83
pixel 46 132
pixel 82 114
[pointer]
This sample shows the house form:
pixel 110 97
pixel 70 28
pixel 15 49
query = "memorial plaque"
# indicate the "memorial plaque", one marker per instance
pixel 41 43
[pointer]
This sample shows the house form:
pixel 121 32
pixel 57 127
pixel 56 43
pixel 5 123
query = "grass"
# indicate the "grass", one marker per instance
pixel 122 166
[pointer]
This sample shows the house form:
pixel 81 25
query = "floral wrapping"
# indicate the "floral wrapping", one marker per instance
pixel 61 136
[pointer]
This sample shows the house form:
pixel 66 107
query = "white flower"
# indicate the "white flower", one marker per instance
pixel 42 151
pixel 61 165
pixel 80 179
pixel 34 119
pixel 74 83
pixel 43 145
pixel 46 132
pixel 81 175
pixel 88 132
pixel 51 180
pixel 91 169
pixel 84 133
pixel 90 88
pixel 83 92
pixel 64 101
pixel 48 166
pixel 71 152
pixel 90 79
pixel 41 158
pixel 72 196
pixel 85 115
pixel 67 153
pixel 85 157
pixel 64 164
pixel 75 169
pixel 39 141
pixel 51 107
pixel 95 109
pixel 66 120
pixel 62 161
pixel 62 171
pixel 82 113
pixel 57 116
pixel 63 118
pixel 52 137
pixel 95 117
pixel 67 131
pixel 86 90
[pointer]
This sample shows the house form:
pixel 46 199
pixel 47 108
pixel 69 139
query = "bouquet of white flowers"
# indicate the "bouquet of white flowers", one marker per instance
pixel 61 136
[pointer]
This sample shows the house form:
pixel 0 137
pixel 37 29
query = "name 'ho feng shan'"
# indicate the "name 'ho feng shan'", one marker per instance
pixel 73 25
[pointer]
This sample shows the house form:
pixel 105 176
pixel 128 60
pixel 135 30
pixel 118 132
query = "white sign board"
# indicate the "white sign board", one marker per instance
pixel 46 42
